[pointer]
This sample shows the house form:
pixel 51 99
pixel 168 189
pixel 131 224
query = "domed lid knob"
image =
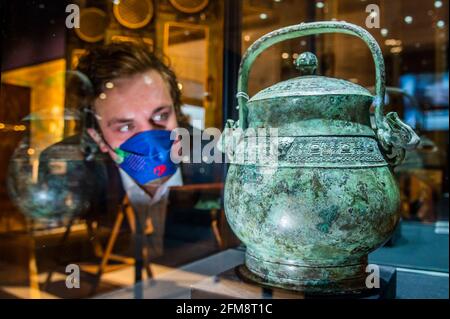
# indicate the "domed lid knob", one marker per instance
pixel 306 63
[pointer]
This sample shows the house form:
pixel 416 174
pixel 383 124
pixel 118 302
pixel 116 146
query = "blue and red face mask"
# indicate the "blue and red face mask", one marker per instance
pixel 146 156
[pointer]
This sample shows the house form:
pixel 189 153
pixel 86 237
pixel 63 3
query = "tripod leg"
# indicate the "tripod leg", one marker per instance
pixel 146 253
pixel 98 250
pixel 108 250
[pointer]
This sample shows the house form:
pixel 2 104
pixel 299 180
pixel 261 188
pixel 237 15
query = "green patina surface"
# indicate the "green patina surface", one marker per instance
pixel 310 217
pixel 283 213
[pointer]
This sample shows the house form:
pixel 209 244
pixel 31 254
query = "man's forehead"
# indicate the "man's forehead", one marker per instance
pixel 149 82
pixel 144 91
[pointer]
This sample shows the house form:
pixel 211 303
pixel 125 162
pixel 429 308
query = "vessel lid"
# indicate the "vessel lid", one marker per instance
pixel 310 85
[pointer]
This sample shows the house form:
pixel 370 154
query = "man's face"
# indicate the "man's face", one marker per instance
pixel 132 105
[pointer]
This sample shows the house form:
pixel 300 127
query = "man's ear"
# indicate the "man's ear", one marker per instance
pixel 97 139
pixel 101 143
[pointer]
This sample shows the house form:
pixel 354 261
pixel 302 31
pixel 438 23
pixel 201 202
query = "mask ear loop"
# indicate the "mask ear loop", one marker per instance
pixel 95 117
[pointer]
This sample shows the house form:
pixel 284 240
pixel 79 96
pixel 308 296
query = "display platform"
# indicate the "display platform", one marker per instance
pixel 419 247
pixel 234 283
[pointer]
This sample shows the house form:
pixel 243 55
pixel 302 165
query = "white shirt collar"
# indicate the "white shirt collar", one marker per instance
pixel 134 191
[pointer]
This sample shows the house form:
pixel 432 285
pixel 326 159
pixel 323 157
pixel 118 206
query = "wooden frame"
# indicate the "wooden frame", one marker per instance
pixel 148 42
pixel 184 9
pixel 167 27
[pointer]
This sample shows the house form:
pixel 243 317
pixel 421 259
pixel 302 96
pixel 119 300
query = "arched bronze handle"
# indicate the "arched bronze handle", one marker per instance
pixel 305 29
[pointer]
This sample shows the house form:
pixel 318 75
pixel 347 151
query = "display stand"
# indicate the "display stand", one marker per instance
pixel 230 284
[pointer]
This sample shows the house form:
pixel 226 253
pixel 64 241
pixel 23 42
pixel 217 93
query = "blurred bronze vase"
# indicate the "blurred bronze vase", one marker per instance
pixel 310 217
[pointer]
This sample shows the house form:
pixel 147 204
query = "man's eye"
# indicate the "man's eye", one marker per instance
pixel 125 128
pixel 161 117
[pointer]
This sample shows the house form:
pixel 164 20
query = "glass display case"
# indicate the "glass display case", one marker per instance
pixel 65 202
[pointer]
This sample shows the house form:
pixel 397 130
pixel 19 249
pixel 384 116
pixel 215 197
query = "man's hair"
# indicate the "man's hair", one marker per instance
pixel 120 60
